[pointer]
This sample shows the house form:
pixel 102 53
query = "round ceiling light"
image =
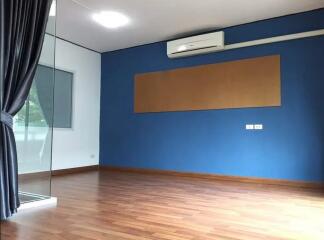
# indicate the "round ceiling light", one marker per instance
pixel 111 19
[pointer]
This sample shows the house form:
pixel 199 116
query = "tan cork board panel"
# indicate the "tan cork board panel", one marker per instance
pixel 253 82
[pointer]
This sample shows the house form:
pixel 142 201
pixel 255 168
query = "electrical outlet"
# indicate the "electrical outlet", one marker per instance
pixel 258 126
pixel 249 126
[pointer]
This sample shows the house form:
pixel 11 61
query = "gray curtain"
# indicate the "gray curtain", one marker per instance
pixel 22 30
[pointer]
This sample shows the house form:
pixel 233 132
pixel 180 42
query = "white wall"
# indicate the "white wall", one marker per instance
pixel 79 146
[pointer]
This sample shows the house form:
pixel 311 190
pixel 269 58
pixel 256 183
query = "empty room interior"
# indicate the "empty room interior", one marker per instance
pixel 162 120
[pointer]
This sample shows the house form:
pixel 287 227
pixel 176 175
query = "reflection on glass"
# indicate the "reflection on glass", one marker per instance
pixel 33 133
pixel 33 129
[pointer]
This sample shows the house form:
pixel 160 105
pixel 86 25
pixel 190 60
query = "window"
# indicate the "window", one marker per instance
pixel 38 109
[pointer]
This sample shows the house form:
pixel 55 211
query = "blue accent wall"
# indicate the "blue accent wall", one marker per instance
pixel 291 146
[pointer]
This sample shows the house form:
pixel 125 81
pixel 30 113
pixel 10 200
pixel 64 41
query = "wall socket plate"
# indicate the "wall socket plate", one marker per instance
pixel 258 126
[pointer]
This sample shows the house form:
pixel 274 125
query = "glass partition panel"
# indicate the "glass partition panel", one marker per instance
pixel 33 125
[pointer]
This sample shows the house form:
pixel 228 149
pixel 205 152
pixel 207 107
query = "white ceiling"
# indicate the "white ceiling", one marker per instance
pixel 157 20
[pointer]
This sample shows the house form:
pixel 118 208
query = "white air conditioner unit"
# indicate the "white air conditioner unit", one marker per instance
pixel 206 43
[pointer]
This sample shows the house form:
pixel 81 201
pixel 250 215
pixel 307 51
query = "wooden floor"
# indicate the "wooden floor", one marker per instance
pixel 130 206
